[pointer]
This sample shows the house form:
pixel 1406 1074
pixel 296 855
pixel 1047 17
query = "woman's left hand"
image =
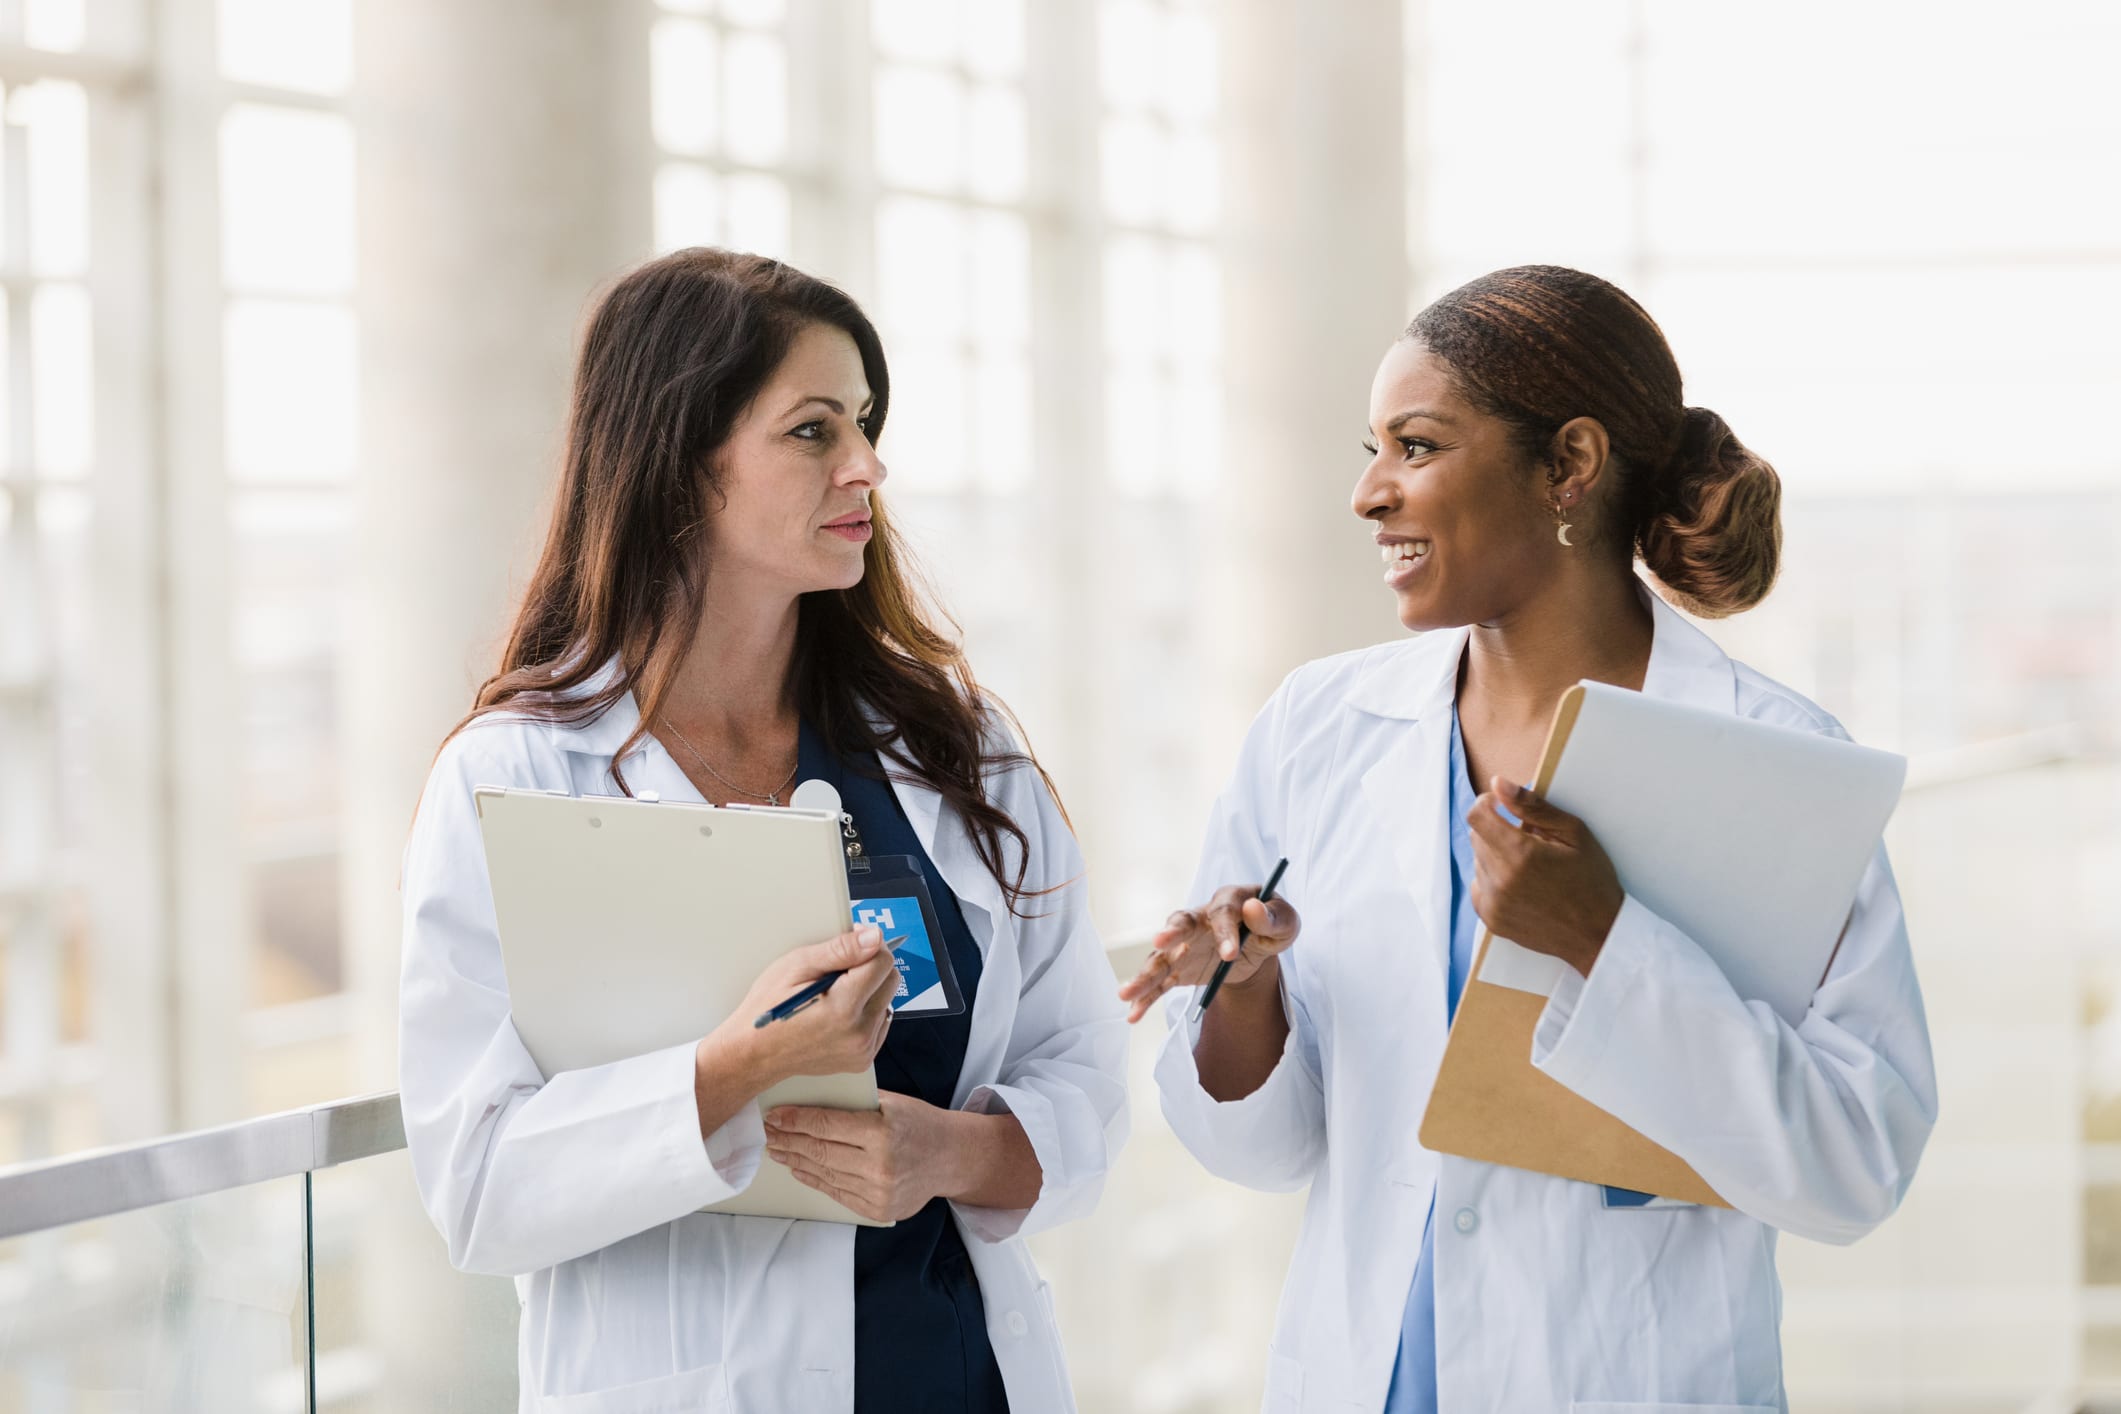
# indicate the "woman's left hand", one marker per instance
pixel 1547 886
pixel 885 1164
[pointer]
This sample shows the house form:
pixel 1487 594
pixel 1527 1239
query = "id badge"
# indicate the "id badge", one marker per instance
pixel 1628 1200
pixel 892 895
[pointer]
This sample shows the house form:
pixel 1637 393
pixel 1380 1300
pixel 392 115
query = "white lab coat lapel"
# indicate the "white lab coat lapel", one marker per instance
pixel 1685 663
pixel 649 767
pixel 1408 792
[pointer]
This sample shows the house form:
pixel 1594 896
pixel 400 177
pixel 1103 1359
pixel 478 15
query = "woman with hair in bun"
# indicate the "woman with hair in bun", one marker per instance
pixel 1529 443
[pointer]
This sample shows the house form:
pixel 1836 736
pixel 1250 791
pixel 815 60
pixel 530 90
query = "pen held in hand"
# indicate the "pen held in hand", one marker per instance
pixel 1222 969
pixel 812 991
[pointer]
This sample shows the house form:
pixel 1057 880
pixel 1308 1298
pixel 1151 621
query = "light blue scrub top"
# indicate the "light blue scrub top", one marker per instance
pixel 1413 1389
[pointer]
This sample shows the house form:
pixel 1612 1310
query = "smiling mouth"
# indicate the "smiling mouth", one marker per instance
pixel 1405 560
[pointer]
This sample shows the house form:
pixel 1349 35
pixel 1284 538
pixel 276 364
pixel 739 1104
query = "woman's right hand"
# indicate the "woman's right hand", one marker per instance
pixel 1194 941
pixel 838 1033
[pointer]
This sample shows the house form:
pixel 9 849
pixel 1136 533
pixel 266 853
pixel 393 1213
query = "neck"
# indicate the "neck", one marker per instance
pixel 1588 623
pixel 735 681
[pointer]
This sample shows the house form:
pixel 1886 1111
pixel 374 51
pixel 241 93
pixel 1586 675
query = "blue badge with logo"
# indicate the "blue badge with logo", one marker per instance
pixel 893 896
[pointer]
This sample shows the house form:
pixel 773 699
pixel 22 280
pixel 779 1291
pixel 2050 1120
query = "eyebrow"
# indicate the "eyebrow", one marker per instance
pixel 834 403
pixel 1411 415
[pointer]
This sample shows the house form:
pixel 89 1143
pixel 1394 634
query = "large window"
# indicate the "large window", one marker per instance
pixel 953 243
pixel 1158 179
pixel 1161 346
pixel 201 523
pixel 286 210
pixel 48 506
pixel 1876 257
pixel 719 104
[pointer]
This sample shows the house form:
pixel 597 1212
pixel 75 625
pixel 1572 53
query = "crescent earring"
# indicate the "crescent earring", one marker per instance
pixel 1561 518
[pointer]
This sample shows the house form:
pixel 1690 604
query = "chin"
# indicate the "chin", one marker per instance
pixel 840 576
pixel 1419 614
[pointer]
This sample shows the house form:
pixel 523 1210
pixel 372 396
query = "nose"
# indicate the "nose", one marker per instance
pixel 863 468
pixel 1376 495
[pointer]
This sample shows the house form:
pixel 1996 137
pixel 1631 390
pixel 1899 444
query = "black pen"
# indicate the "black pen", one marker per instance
pixel 813 991
pixel 1222 969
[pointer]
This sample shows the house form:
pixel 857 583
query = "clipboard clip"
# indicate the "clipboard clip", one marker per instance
pixel 820 795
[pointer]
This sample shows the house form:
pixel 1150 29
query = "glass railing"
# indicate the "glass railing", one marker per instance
pixel 268 1267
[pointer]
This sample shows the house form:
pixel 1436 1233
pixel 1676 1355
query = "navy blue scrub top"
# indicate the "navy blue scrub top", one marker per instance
pixel 920 1328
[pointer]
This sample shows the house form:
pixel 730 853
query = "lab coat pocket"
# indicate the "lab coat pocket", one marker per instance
pixel 1581 1406
pixel 687 1392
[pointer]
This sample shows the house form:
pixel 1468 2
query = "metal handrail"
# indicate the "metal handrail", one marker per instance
pixel 101 1183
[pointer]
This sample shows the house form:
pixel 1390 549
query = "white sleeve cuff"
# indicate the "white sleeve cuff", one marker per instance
pixel 724 1163
pixel 1582 1013
pixel 1256 1123
pixel 1035 1113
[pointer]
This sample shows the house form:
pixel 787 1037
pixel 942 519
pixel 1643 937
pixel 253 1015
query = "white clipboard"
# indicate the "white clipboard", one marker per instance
pixel 1749 837
pixel 628 926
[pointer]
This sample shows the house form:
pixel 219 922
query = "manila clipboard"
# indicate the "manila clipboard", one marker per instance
pixel 631 925
pixel 1749 837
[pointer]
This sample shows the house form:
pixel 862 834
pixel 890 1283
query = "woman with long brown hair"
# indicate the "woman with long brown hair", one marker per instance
pixel 722 608
pixel 1529 442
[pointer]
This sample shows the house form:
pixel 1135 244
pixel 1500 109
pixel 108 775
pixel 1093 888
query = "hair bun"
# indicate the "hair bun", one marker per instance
pixel 1713 534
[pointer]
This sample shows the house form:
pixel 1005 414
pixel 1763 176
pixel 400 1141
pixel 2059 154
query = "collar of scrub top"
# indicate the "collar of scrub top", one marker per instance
pixel 1685 666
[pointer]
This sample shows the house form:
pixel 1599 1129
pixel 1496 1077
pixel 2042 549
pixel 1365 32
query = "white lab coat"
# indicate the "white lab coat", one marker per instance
pixel 1545 1299
pixel 585 1185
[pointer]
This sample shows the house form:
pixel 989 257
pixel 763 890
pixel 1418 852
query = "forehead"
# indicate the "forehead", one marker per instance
pixel 1410 377
pixel 822 359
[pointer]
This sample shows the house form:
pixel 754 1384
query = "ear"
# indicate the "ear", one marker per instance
pixel 1577 463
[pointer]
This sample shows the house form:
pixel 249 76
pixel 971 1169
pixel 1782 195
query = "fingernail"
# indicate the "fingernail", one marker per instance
pixel 869 935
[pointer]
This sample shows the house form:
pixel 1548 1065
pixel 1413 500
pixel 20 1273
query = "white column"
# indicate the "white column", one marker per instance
pixel 132 837
pixel 504 178
pixel 1071 493
pixel 1314 212
pixel 499 188
pixel 208 922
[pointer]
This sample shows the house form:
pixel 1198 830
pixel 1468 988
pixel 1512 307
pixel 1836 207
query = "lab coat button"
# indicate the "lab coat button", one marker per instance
pixel 1017 1324
pixel 1466 1221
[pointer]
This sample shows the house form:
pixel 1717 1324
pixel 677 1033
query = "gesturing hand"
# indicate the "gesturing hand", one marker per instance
pixel 1195 940
pixel 1547 885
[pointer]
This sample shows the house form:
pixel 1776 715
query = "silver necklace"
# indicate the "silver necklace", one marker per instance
pixel 772 797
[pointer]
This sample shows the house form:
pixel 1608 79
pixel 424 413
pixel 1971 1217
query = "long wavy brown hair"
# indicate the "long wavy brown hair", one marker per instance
pixel 674 353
